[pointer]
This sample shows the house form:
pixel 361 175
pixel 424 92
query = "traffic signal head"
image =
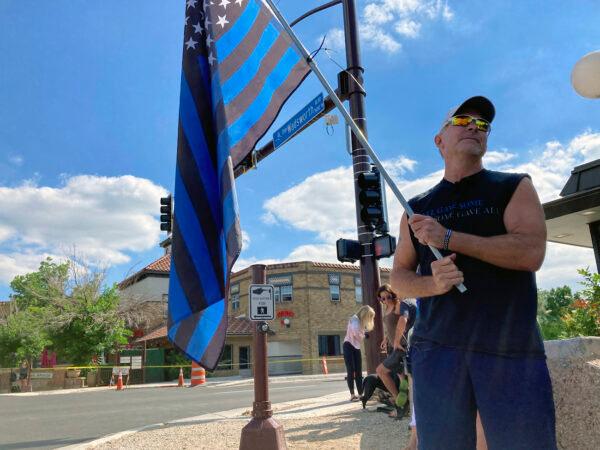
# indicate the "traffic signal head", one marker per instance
pixel 384 246
pixel 166 213
pixel 372 201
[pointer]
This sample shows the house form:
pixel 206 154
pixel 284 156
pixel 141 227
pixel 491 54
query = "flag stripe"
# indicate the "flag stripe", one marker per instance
pixel 198 76
pixel 191 284
pixel 237 58
pixel 178 305
pixel 238 152
pixel 196 243
pixel 189 174
pixel 236 108
pixel 210 318
pixel 255 111
pixel 246 73
pixel 235 35
pixel 195 136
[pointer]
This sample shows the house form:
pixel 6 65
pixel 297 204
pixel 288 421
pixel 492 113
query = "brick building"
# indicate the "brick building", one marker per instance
pixel 314 301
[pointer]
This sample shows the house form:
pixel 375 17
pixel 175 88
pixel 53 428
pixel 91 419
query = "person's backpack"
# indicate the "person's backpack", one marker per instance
pixel 13 376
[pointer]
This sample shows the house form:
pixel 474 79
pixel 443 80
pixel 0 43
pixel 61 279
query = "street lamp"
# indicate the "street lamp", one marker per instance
pixel 585 76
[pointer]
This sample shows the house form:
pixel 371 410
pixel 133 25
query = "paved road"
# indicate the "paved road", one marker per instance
pixel 51 421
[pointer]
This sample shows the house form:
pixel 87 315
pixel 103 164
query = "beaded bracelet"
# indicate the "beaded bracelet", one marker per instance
pixel 447 238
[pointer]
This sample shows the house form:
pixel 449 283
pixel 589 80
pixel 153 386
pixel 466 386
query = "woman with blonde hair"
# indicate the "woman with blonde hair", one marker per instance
pixel 358 324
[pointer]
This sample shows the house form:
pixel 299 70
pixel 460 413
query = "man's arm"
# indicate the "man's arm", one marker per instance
pixel 406 283
pixel 523 246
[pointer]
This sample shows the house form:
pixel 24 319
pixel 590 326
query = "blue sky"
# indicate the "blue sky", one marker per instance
pixel 89 100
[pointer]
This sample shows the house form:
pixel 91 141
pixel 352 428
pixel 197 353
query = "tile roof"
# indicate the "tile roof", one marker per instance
pixel 160 266
pixel 163 266
pixel 237 326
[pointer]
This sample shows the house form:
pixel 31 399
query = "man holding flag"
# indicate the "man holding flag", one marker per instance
pixel 480 350
pixel 238 70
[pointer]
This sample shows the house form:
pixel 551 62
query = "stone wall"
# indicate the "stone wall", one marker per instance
pixel 575 371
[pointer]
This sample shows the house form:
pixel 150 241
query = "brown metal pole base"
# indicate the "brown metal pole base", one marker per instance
pixel 263 433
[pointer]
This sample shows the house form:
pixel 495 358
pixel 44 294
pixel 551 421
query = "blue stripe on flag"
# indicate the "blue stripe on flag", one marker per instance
pixel 205 329
pixel 195 242
pixel 236 34
pixel 245 74
pixel 179 308
pixel 253 114
pixel 173 331
pixel 194 133
pixel 215 91
pixel 202 62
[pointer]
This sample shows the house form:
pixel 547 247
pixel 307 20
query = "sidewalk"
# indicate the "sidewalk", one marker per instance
pixel 212 381
pixel 328 422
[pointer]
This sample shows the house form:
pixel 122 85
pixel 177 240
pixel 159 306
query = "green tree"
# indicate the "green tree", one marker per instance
pixel 41 288
pixel 552 305
pixel 73 309
pixel 582 318
pixel 23 337
pixel 86 322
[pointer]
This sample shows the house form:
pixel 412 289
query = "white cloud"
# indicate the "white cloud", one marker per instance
pixel 408 28
pixel 245 240
pixel 324 202
pixel 495 158
pixel 100 218
pixel 384 22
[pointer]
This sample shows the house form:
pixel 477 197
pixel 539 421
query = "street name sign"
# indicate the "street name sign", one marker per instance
pixel 262 302
pixel 299 121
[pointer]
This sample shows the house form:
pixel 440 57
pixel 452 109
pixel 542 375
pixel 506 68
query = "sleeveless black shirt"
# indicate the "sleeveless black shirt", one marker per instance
pixel 497 314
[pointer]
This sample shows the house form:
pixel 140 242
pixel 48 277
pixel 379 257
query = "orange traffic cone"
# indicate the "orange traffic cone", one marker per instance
pixel 180 382
pixel 120 381
pixel 324 366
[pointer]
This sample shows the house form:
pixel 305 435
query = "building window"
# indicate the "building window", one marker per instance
pixel 286 293
pixel 226 359
pixel 235 302
pixel 329 345
pixel 234 296
pixel 283 287
pixel 334 287
pixel 357 290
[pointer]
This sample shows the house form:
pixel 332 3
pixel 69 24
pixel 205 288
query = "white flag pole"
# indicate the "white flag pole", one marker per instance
pixel 350 122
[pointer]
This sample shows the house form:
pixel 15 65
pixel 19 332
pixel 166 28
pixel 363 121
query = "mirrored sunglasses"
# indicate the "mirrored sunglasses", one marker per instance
pixel 465 120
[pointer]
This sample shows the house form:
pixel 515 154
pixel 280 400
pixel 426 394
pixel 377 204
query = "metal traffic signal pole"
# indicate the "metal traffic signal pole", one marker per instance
pixel 369 270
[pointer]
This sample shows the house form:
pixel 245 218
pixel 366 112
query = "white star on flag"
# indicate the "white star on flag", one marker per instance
pixel 224 3
pixel 191 43
pixel 186 19
pixel 209 40
pixel 238 2
pixel 197 28
pixel 211 59
pixel 191 3
pixel 207 3
pixel 222 21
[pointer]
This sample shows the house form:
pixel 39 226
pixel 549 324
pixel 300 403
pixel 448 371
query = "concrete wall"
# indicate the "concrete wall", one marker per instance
pixel 575 371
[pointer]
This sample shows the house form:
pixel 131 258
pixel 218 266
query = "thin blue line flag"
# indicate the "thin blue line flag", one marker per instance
pixel 239 68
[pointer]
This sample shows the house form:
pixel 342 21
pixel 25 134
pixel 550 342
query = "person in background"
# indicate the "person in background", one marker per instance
pixel 358 324
pixel 397 321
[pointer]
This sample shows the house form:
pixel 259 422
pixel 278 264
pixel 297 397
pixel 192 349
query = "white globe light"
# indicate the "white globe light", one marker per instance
pixel 585 77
